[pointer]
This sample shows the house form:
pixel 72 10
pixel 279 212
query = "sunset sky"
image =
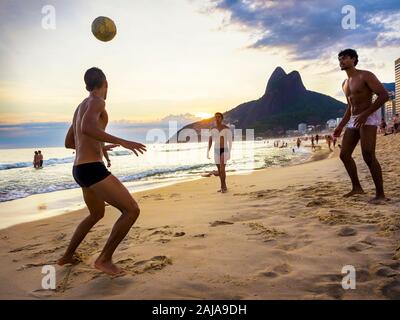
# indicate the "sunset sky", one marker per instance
pixel 181 56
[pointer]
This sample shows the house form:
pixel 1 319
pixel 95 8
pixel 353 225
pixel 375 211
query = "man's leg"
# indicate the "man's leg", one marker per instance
pixel 219 175
pixel 368 143
pixel 96 209
pixel 112 191
pixel 223 174
pixel 349 142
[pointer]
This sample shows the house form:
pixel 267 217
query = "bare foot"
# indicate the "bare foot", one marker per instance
pixel 220 190
pixel 108 267
pixel 69 260
pixel 224 190
pixel 378 200
pixel 353 192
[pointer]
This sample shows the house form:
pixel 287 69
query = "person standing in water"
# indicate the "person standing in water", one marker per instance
pixel 40 157
pixel 221 135
pixel 36 160
pixel 87 136
pixel 362 118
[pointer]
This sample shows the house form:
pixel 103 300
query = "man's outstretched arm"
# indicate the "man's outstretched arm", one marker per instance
pixel 90 127
pixel 70 139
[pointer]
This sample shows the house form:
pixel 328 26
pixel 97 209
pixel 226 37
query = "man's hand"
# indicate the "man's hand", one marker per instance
pixel 208 154
pixel 338 131
pixel 134 146
pixel 361 119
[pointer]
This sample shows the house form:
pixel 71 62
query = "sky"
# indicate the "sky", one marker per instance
pixel 181 57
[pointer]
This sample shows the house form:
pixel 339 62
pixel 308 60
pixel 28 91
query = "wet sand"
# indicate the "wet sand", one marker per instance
pixel 279 233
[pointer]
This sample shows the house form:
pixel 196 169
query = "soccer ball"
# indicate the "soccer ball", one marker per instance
pixel 104 29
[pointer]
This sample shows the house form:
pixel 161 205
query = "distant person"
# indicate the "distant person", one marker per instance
pixel 36 160
pixel 334 139
pixel 40 157
pixel 383 126
pixel 221 136
pixel 316 138
pixel 396 124
pixel 298 143
pixel 87 136
pixel 329 141
pixel 363 118
pixel 312 142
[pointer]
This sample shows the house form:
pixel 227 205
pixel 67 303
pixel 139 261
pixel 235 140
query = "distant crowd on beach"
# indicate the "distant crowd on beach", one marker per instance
pixel 385 129
pixel 38 160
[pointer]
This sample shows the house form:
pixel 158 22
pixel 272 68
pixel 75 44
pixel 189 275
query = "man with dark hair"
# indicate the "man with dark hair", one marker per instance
pixel 87 136
pixel 363 118
pixel 221 135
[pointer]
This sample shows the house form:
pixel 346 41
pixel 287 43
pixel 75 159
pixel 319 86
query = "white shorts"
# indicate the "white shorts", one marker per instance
pixel 373 120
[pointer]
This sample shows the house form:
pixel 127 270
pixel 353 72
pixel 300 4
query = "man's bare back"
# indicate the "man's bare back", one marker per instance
pixel 87 136
pixel 87 148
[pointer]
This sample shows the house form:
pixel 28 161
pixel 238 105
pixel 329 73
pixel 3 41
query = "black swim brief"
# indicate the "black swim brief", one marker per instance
pixel 87 174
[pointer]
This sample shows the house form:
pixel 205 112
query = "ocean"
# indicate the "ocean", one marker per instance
pixel 52 190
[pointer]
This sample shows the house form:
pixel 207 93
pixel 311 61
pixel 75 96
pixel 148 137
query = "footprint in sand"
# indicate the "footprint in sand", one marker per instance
pixel 247 216
pixel 220 223
pixel 141 266
pixel 263 232
pixel 384 271
pixel 317 203
pixel 276 271
pixel 392 290
pixel 332 290
pixel 346 232
pixel 25 248
pixel 358 247
pixel 200 235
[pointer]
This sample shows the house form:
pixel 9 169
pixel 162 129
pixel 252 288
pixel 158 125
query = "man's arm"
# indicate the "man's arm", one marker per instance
pixel 382 96
pixel 209 146
pixel 376 87
pixel 70 139
pixel 345 119
pixel 90 127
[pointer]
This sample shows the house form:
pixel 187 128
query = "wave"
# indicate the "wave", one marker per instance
pixel 56 161
pixel 24 191
pixel 48 162
pixel 162 171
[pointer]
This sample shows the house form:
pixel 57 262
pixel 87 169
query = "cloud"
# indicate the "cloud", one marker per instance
pixel 310 29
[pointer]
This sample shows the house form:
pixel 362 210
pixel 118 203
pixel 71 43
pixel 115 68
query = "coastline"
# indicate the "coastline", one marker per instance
pixel 41 206
pixel 279 233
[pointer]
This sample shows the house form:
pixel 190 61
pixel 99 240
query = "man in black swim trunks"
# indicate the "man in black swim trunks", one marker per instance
pixel 222 138
pixel 87 136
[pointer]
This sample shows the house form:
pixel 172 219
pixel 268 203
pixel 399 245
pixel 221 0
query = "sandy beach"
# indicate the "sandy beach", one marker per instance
pixel 279 233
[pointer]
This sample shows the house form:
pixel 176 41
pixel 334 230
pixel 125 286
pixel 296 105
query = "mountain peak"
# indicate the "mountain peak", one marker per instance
pixel 280 81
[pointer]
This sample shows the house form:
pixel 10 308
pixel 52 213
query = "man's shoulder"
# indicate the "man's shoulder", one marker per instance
pixel 95 102
pixel 366 73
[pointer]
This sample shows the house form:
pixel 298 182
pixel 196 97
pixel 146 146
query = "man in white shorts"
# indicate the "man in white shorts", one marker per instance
pixel 363 118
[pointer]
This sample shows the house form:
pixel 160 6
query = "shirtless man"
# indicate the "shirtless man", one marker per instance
pixel 40 157
pixel 363 118
pixel 222 138
pixel 87 136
